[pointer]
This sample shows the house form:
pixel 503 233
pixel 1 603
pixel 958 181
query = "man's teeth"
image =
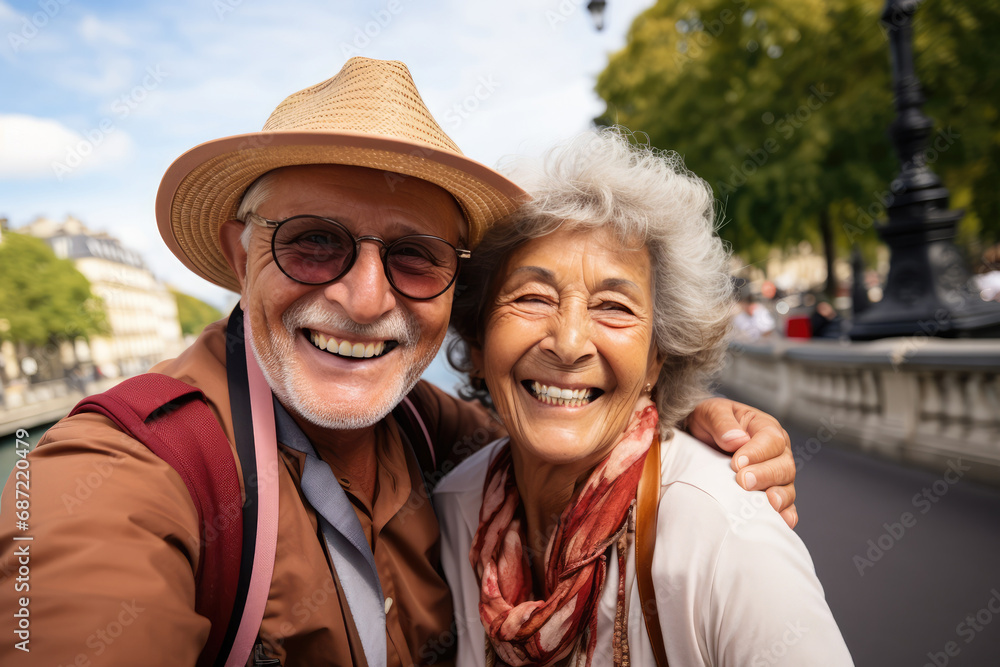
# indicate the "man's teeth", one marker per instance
pixel 346 348
pixel 553 395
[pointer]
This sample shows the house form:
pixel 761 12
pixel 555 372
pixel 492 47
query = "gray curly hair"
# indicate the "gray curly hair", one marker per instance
pixel 645 197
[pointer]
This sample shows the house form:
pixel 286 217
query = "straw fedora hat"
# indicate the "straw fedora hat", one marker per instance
pixel 369 115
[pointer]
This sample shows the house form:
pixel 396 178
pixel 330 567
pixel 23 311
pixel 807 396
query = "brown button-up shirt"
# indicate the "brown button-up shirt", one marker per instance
pixel 403 537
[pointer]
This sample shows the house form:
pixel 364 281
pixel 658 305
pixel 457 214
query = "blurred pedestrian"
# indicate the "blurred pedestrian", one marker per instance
pixel 826 321
pixel 752 321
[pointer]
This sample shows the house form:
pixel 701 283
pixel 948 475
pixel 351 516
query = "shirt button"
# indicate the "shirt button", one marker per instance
pixel 388 603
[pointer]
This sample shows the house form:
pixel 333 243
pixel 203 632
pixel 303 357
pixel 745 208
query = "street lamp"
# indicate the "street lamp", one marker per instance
pixel 596 9
pixel 927 291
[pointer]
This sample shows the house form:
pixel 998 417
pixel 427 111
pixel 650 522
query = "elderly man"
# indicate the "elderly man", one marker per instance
pixel 341 225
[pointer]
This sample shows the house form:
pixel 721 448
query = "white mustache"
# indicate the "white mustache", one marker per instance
pixel 394 325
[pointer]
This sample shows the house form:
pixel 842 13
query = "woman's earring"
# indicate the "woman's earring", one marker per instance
pixel 649 388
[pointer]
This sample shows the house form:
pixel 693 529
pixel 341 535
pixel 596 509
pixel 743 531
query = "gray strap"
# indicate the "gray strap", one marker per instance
pixel 345 542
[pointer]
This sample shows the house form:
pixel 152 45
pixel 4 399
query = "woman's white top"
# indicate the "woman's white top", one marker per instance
pixel 735 586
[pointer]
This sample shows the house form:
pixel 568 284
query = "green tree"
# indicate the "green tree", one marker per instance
pixel 783 107
pixel 959 65
pixel 194 314
pixel 44 299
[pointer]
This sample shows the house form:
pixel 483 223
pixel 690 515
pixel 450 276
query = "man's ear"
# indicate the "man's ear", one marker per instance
pixel 232 247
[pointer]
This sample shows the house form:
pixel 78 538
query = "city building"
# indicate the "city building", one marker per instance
pixel 141 312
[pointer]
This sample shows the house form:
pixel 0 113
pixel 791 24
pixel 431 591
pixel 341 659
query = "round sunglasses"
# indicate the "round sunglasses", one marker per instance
pixel 314 250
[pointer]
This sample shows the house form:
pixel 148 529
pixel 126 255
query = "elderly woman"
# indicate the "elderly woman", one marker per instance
pixel 596 316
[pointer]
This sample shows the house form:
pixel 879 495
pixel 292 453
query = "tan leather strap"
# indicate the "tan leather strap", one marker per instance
pixel 647 503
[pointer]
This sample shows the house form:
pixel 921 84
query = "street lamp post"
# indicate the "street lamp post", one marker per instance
pixel 927 290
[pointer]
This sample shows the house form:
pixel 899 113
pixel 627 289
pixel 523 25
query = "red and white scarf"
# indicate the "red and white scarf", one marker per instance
pixel 527 631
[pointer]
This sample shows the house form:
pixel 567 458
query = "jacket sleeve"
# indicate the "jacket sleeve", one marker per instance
pixel 111 562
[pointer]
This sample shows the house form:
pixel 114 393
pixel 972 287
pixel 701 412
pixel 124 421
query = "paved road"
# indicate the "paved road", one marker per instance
pixel 910 559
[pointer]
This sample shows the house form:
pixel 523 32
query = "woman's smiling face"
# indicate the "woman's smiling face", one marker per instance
pixel 573 318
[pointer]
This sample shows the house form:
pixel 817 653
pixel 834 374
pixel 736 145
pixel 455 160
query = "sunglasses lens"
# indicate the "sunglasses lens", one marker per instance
pixel 313 251
pixel 421 268
pixel 316 251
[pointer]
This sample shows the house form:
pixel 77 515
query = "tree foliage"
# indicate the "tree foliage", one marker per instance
pixel 783 107
pixel 958 62
pixel 193 313
pixel 43 298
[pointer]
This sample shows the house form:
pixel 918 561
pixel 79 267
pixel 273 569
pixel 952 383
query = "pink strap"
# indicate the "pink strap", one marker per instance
pixel 266 446
pixel 423 427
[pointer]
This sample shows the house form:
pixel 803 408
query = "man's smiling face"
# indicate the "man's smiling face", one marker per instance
pixel 342 355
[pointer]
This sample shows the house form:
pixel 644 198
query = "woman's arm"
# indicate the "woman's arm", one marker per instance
pixel 767 605
pixel 735 587
pixel 455 545
pixel 457 500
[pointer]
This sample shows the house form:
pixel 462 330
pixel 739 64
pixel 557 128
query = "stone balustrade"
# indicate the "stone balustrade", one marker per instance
pixel 919 400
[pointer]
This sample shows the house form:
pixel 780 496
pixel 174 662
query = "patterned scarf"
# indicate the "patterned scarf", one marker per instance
pixel 526 631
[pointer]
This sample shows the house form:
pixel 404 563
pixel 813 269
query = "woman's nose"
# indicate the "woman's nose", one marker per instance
pixel 571 336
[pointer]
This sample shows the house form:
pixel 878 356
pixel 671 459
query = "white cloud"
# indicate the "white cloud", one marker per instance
pixel 28 145
pixel 32 147
pixel 97 32
pixel 7 14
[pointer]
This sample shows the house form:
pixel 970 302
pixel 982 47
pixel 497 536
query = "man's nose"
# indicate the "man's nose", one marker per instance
pixel 364 292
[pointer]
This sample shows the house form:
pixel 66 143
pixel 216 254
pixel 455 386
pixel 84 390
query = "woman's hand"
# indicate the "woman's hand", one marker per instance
pixel 762 452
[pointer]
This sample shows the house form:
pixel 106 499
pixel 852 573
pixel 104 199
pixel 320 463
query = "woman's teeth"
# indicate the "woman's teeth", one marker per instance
pixel 346 348
pixel 553 395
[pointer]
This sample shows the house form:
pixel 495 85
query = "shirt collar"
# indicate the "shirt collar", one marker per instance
pixel 288 432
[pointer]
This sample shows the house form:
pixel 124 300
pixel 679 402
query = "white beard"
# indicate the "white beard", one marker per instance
pixel 283 371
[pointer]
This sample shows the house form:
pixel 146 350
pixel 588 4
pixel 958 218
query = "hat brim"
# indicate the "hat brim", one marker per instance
pixel 203 188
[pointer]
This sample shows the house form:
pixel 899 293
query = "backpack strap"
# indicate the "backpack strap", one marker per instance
pixel 647 504
pixel 251 404
pixel 174 421
pixel 411 410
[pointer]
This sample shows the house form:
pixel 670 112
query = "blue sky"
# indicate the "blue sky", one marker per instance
pixel 98 98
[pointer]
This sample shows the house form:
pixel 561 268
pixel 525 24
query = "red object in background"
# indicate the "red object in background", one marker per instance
pixel 798 326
